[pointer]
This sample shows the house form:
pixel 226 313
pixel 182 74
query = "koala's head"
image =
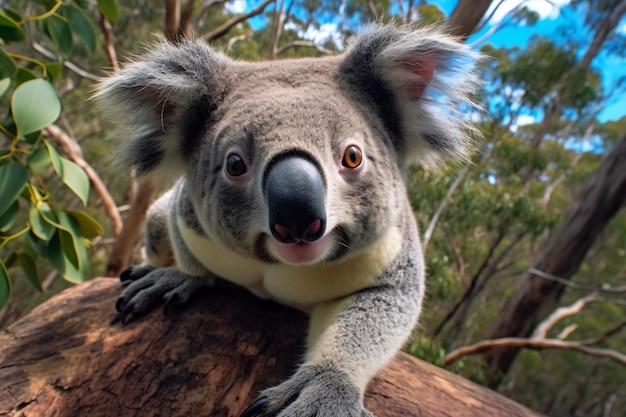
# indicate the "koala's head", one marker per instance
pixel 295 161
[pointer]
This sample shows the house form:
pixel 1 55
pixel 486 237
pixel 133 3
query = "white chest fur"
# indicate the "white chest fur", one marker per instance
pixel 298 285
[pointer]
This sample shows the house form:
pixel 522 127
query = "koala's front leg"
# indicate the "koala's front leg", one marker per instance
pixel 360 335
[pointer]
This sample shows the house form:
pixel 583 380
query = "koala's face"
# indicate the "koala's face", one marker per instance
pixel 295 173
pixel 295 161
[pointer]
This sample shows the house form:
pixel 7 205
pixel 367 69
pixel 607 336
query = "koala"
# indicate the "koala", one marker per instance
pixel 290 182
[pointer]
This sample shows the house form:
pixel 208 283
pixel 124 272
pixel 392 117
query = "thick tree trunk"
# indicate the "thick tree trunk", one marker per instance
pixel 601 198
pixel 209 358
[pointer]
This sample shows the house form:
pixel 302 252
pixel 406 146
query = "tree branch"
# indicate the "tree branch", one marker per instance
pixel 73 151
pixel 109 47
pixel 304 43
pixel 228 25
pixel 67 64
pixel 605 288
pixel 507 343
pixel 541 332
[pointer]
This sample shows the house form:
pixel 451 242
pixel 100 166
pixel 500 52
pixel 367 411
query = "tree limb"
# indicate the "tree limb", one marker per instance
pixel 67 64
pixel 507 343
pixel 228 25
pixel 109 47
pixel 541 332
pixel 304 43
pixel 605 288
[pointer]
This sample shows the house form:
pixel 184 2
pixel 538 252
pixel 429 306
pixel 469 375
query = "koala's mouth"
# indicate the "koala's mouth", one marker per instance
pixel 301 252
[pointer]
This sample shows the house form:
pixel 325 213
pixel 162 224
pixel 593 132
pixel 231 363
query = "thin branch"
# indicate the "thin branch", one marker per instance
pixel 605 288
pixel 541 332
pixel 372 7
pixel 508 343
pixel 428 234
pixel 303 43
pixel 67 64
pixel 109 47
pixel 73 151
pixel 228 25
pixel 235 39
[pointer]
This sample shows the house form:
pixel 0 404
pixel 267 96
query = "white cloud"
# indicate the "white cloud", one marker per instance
pixel 545 9
pixel 622 28
pixel 522 120
pixel 236 6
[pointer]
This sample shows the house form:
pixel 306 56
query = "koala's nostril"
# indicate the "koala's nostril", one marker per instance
pixel 313 229
pixel 281 233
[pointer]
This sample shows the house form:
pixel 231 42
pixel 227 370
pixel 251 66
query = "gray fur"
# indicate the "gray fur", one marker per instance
pixel 184 109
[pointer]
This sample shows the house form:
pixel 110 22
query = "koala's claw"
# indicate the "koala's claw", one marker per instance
pixel 151 285
pixel 314 391
pixel 128 310
pixel 257 408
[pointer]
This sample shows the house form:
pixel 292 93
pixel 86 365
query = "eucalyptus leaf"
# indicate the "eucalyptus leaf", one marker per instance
pixel 76 179
pixel 55 158
pixel 81 27
pixel 39 160
pixel 8 68
pixel 59 29
pixel 89 227
pixel 35 105
pixel 109 9
pixel 7 220
pixel 10 30
pixel 4 85
pixel 30 270
pixel 5 285
pixel 13 177
pixel 58 258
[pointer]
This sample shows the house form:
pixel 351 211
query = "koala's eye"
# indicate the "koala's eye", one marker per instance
pixel 235 165
pixel 352 157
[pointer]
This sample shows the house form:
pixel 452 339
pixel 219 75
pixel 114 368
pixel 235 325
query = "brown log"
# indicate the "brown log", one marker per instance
pixel 208 358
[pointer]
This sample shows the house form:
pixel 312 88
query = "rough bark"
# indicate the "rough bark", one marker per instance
pixel 466 15
pixel 209 358
pixel 534 298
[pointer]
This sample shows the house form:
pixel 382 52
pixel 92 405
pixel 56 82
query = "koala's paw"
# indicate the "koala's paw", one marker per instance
pixel 314 391
pixel 151 285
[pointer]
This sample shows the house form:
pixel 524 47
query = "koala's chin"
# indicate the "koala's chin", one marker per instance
pixel 302 252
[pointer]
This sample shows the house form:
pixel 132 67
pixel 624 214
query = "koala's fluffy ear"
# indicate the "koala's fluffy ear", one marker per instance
pixel 162 104
pixel 419 83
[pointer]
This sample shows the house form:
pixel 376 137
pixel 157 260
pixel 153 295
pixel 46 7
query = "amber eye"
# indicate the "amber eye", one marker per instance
pixel 352 157
pixel 235 165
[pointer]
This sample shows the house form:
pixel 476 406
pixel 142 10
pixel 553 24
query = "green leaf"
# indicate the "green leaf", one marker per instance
pixel 55 158
pixel 10 30
pixel 23 75
pixel 59 260
pixel 35 105
pixel 13 178
pixel 39 160
pixel 30 270
pixel 54 69
pixel 39 224
pixel 7 66
pixel 109 10
pixel 81 26
pixel 4 85
pixel 76 179
pixel 7 220
pixel 74 247
pixel 89 227
pixel 59 29
pixel 5 285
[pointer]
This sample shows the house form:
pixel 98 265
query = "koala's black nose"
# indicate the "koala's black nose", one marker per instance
pixel 294 190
